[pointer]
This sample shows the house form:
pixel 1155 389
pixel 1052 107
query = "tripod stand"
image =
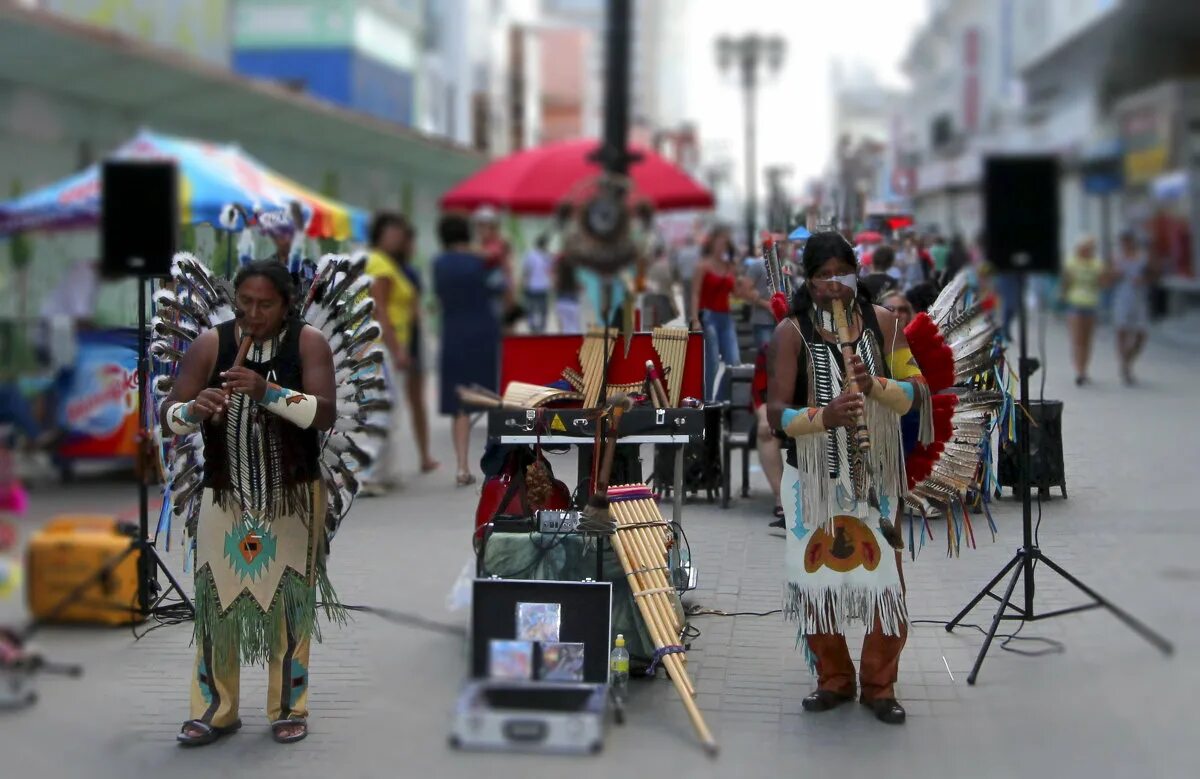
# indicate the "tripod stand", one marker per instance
pixel 1024 562
pixel 149 561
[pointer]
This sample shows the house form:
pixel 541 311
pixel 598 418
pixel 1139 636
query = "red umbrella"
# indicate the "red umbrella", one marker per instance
pixel 535 181
pixel 868 236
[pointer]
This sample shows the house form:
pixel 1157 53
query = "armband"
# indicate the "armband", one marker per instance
pixel 804 421
pixel 180 420
pixel 294 406
pixel 895 395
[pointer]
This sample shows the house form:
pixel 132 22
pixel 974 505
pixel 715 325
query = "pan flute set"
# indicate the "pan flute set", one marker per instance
pixel 641 540
pixel 662 383
pixel 670 345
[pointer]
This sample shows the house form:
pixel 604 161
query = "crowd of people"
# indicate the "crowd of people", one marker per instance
pixel 482 288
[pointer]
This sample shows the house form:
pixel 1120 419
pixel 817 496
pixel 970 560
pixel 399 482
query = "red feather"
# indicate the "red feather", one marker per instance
pixel 936 361
pixel 933 356
pixel 779 306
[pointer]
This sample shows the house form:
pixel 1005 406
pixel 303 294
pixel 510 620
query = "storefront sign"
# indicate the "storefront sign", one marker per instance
pixel 1146 136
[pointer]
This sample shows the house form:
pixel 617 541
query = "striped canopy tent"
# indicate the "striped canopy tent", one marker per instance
pixel 211 177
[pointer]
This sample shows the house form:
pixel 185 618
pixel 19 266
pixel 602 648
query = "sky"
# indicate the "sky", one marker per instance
pixel 794 108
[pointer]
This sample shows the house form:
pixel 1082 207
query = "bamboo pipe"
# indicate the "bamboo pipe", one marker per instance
pixel 689 703
pixel 652 556
pixel 647 578
pixel 649 549
pixel 678 360
pixel 656 549
pixel 664 598
pixel 238 361
pixel 841 322
pixel 862 439
pixel 655 620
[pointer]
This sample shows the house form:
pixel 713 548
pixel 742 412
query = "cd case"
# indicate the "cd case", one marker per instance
pixel 562 662
pixel 538 622
pixel 510 659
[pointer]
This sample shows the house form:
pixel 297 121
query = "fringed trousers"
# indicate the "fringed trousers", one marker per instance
pixel 215 684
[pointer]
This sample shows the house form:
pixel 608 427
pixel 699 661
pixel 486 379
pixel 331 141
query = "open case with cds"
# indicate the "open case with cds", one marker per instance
pixel 538 677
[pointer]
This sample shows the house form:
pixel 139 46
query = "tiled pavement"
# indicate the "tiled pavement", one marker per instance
pixel 381 692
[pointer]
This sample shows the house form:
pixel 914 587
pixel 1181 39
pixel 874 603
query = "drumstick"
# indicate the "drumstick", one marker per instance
pixel 656 386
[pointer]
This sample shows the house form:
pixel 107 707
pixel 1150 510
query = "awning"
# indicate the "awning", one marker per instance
pixel 211 177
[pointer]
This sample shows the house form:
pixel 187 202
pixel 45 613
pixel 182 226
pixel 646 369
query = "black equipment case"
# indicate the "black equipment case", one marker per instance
pixel 536 716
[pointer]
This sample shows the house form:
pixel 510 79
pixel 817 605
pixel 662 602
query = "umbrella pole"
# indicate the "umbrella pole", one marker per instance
pixel 229 254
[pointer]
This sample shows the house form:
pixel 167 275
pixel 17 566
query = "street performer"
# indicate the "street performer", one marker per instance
pixel 258 387
pixel 842 495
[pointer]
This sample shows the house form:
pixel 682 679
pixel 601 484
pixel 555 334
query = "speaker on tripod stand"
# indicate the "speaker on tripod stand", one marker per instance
pixel 1022 224
pixel 139 224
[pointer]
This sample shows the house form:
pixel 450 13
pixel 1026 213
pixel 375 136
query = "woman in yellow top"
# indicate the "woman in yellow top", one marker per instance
pixel 1084 277
pixel 397 309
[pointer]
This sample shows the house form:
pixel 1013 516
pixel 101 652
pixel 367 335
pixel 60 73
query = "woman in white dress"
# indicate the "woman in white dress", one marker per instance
pixel 1131 305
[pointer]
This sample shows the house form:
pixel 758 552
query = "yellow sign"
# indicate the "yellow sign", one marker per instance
pixel 557 424
pixel 1144 165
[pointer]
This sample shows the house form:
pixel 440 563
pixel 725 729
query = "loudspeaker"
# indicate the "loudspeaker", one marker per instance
pixel 1021 213
pixel 1045 450
pixel 139 217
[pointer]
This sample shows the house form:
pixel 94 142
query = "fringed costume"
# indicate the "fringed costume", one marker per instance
pixel 259 542
pixel 261 493
pixel 839 566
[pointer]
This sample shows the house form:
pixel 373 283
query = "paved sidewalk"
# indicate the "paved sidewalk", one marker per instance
pixel 382 692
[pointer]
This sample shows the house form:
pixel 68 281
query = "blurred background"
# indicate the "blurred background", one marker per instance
pixel 876 116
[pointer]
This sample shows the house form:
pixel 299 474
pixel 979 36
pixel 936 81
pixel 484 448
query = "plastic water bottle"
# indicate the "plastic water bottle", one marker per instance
pixel 618 669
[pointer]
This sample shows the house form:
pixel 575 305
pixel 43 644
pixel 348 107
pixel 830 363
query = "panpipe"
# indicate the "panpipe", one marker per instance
pixel 641 543
pixel 522 395
pixel 624 389
pixel 574 378
pixel 592 359
pixel 517 395
pixel 671 343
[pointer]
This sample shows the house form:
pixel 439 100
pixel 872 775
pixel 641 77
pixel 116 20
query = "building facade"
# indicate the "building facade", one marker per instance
pixel 52 126
pixel 359 54
pixel 1108 86
pixel 860 181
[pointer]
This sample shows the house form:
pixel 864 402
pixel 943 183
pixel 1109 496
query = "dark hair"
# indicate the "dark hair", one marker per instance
pixel 921 296
pixel 883 258
pixel 824 246
pixel 957 258
pixel 453 228
pixel 273 271
pixel 818 250
pixel 382 221
pixel 710 239
pixel 542 242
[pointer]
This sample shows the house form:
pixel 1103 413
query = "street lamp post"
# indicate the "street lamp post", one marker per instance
pixel 747 54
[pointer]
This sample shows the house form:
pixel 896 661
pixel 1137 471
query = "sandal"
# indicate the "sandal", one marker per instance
pixel 208 733
pixel 278 725
pixel 465 479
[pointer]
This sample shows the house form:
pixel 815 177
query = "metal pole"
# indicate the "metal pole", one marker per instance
pixel 749 62
pixel 144 566
pixel 616 88
pixel 1023 445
